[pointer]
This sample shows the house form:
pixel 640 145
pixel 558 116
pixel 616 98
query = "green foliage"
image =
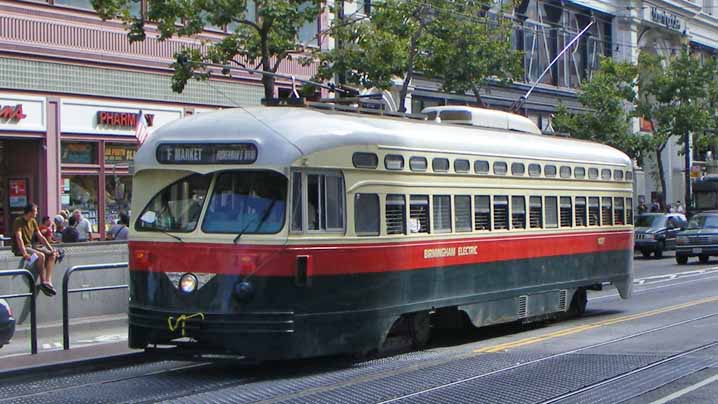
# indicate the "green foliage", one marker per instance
pixel 403 35
pixel 608 97
pixel 254 40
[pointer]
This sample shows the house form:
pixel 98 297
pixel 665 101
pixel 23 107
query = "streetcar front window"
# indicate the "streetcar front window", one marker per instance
pixel 177 207
pixel 247 202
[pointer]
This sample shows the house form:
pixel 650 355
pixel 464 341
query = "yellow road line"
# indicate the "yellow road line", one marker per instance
pixel 582 328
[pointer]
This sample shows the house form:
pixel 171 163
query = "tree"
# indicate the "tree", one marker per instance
pixel 472 53
pixel 402 35
pixel 678 97
pixel 609 97
pixel 262 42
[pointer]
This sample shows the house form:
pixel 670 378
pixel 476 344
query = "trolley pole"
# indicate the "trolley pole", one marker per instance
pixel 687 145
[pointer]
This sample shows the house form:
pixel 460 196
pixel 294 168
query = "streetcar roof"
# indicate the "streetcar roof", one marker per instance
pixel 284 134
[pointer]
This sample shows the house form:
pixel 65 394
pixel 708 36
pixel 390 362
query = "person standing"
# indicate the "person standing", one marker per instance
pixel 83 226
pixel 124 230
pixel 24 228
pixel 70 233
pixel 679 208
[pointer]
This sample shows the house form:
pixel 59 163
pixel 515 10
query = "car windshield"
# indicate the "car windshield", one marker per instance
pixel 650 221
pixel 247 202
pixel 177 207
pixel 703 222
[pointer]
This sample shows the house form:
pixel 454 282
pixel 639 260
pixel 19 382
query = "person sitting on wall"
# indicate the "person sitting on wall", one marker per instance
pixel 70 233
pixel 59 221
pixel 47 230
pixel 84 228
pixel 24 228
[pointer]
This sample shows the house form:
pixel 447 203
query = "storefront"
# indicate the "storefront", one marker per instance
pixel 23 128
pixel 97 144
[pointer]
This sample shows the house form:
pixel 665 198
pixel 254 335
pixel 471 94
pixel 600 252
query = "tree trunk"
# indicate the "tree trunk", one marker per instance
pixel 661 174
pixel 267 80
pixel 410 67
pixel 479 100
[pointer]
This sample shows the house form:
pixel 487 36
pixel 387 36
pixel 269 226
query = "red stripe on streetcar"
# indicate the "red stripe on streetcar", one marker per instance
pixel 341 259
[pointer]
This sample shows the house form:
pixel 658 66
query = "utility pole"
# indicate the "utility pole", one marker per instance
pixel 687 146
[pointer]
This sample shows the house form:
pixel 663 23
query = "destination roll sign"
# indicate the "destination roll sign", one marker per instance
pixel 206 153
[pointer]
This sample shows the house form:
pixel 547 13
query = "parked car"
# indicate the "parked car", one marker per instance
pixel 7 323
pixel 699 239
pixel 656 232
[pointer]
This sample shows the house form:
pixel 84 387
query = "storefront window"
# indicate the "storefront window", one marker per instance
pixel 78 153
pixel 119 153
pixel 118 191
pixel 80 192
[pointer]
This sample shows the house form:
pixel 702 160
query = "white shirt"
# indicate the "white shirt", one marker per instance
pixel 84 228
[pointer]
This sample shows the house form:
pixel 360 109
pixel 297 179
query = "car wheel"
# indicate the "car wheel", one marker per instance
pixel 703 259
pixel 682 259
pixel 646 253
pixel 659 250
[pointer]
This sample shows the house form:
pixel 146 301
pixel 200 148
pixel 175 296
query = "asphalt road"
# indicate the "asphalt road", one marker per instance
pixel 659 346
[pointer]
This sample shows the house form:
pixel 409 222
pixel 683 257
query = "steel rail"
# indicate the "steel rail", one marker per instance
pixel 546 358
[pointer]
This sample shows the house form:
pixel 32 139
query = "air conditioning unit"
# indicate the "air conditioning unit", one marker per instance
pixel 481 117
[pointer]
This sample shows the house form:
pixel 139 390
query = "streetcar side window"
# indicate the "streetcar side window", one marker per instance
pixel 462 166
pixel 177 207
pixel 500 168
pixel 518 212
pixel 518 168
pixel 581 211
pixel 297 210
pixel 550 170
pixel 618 175
pixel 482 212
pixel 605 174
pixel 535 212
pixel 566 211
pixel 395 214
pixel 606 216
pixel 501 212
pixel 366 214
pixel 394 162
pixel 442 214
pixel 593 173
pixel 593 211
pixel 481 167
pixel 534 170
pixel 440 165
pixel 325 202
pixel 618 211
pixel 629 209
pixel 565 172
pixel 462 208
pixel 579 172
pixel 417 163
pixel 419 214
pixel 365 160
pixel 551 212
pixel 629 175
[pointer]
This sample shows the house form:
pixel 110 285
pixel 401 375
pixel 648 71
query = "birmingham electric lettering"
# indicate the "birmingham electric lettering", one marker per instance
pixel 450 251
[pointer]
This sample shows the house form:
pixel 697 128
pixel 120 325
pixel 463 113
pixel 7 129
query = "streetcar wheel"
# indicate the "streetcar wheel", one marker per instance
pixel 646 253
pixel 681 259
pixel 659 250
pixel 703 259
pixel 579 302
pixel 420 329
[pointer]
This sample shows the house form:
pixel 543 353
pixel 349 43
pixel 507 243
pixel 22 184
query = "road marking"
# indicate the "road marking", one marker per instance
pixel 650 289
pixel 685 391
pixel 582 328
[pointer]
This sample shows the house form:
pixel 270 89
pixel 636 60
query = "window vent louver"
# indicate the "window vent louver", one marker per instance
pixel 562 294
pixel 523 306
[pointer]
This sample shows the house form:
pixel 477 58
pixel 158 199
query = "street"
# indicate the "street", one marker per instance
pixel 659 346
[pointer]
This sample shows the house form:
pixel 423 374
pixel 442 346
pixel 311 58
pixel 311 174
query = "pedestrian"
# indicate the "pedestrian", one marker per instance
pixel 679 208
pixel 116 227
pixel 47 230
pixel 642 208
pixel 124 231
pixel 59 226
pixel 70 233
pixel 655 206
pixel 24 228
pixel 670 209
pixel 84 228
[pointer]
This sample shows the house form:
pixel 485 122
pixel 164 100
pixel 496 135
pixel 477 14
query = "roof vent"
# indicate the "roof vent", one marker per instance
pixel 486 118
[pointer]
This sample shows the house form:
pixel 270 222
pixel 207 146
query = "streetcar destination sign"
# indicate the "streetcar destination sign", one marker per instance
pixel 206 153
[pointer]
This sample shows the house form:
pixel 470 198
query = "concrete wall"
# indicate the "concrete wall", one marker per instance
pixel 49 309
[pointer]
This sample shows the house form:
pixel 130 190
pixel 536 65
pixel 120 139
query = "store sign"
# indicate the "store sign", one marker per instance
pixel 18 193
pixel 10 113
pixel 192 153
pixel 119 153
pixel 122 119
pixel 665 19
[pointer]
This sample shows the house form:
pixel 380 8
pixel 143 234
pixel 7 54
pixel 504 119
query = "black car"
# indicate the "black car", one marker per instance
pixel 699 239
pixel 7 323
pixel 656 232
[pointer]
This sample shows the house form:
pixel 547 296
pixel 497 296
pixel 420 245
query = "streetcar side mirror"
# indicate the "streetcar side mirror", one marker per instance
pixel 148 217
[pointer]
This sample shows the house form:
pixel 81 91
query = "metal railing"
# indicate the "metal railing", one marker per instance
pixel 66 293
pixel 31 294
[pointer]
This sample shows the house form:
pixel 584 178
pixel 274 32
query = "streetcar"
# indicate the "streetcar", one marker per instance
pixel 293 232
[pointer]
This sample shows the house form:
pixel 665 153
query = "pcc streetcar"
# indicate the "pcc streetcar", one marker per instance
pixel 285 232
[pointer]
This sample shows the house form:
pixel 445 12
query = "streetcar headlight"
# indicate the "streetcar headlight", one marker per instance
pixel 188 283
pixel 682 240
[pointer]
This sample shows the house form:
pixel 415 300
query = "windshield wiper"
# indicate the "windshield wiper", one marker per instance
pixel 264 217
